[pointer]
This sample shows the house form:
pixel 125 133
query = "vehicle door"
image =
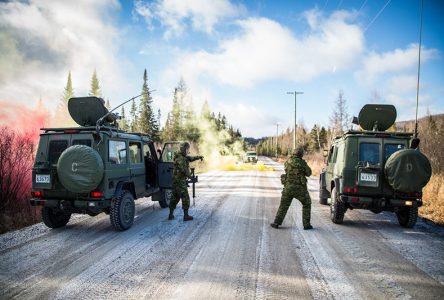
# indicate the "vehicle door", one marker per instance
pixel 331 159
pixel 165 167
pixel 117 164
pixel 137 166
pixel 369 170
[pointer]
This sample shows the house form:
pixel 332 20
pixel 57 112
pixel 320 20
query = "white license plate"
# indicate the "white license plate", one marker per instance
pixel 368 177
pixel 43 178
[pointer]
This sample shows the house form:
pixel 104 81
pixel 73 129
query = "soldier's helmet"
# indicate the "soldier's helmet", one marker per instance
pixel 184 147
pixel 298 152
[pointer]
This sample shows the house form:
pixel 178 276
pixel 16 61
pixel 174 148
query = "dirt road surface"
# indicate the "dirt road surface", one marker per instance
pixel 228 252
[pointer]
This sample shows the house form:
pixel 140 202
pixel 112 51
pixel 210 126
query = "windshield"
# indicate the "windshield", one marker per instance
pixel 369 152
pixel 251 153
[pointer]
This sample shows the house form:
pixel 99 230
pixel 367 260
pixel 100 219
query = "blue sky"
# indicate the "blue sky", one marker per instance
pixel 241 56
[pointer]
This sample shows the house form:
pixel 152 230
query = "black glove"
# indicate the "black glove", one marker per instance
pixel 201 158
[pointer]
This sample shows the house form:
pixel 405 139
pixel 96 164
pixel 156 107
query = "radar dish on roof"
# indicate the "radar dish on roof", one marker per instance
pixel 377 117
pixel 85 111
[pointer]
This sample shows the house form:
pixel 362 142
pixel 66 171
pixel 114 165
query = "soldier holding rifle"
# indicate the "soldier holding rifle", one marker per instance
pixel 181 174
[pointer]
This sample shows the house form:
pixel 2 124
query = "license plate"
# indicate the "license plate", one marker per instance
pixel 368 177
pixel 43 178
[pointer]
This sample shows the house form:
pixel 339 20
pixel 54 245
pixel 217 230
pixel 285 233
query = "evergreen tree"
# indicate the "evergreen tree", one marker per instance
pixel 123 122
pixel 62 115
pixel 205 111
pixel 95 86
pixel 134 117
pixel 313 142
pixel 147 120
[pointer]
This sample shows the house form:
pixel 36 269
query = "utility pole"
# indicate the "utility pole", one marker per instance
pixel 295 93
pixel 277 134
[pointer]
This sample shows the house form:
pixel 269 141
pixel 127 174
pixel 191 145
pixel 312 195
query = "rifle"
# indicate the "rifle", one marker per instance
pixel 193 181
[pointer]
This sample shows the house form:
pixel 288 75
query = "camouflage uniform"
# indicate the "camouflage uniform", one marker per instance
pixel 181 173
pixel 295 186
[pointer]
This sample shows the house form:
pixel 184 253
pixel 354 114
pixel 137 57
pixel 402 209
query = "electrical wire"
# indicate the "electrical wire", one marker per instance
pixel 377 15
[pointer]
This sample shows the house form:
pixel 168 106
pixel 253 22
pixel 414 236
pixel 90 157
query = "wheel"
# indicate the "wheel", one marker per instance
pixel 55 218
pixel 337 209
pixel 122 211
pixel 166 196
pixel 322 198
pixel 407 216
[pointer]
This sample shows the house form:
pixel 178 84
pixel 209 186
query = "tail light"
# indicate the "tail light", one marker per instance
pixel 37 194
pixel 96 194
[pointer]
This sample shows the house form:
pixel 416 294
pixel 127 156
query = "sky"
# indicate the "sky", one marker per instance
pixel 241 56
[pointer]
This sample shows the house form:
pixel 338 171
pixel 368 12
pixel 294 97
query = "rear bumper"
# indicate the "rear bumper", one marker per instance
pixel 84 203
pixel 379 203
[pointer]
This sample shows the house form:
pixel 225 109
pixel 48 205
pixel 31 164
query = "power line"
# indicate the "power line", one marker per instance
pixel 377 15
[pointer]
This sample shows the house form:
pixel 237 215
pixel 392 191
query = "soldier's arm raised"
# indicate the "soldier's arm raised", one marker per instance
pixel 193 158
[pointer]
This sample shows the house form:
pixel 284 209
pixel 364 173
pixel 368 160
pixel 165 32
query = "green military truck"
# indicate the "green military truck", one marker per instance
pixel 98 168
pixel 375 169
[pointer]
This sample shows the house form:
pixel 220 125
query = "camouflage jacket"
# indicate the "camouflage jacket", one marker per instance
pixel 296 171
pixel 181 167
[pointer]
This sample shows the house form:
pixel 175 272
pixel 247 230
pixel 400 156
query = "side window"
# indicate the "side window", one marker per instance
pixel 330 154
pixel 369 152
pixel 389 149
pixel 55 150
pixel 117 152
pixel 85 142
pixel 168 151
pixel 334 155
pixel 135 150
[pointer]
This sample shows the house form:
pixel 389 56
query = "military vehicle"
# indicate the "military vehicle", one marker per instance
pixel 250 156
pixel 98 168
pixel 375 169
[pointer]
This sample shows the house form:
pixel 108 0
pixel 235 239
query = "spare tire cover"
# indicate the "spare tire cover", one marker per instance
pixel 408 170
pixel 80 169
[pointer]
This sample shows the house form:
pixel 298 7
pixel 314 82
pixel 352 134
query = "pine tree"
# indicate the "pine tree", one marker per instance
pixel 95 86
pixel 62 115
pixel 147 121
pixel 123 122
pixel 205 111
pixel 134 117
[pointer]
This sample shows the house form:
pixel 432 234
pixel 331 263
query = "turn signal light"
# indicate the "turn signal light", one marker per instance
pixel 70 131
pixel 37 194
pixel 96 194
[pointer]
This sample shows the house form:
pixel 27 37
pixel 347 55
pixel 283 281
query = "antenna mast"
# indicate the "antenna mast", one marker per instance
pixel 419 68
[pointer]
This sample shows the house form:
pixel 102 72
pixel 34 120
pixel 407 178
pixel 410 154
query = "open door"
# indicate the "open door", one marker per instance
pixel 165 168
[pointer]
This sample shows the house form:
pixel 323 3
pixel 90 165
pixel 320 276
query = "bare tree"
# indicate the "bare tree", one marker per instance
pixel 339 117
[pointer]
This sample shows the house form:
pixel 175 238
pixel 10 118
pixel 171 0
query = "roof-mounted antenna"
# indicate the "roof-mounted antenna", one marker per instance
pixel 419 68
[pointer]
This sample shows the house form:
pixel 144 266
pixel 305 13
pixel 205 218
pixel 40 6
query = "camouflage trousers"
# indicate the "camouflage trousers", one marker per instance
pixel 286 199
pixel 180 191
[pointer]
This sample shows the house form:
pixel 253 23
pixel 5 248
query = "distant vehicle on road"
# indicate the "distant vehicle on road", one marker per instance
pixel 250 156
pixel 98 168
pixel 375 169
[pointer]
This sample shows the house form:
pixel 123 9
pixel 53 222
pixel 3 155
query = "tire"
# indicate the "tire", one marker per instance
pixel 54 218
pixel 164 202
pixel 407 216
pixel 80 169
pixel 122 211
pixel 337 209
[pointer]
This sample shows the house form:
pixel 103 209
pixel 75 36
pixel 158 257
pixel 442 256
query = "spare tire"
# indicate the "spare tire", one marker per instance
pixel 408 170
pixel 80 169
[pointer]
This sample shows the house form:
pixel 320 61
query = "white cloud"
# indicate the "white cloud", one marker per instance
pixel 266 50
pixel 251 120
pixel 397 60
pixel 174 14
pixel 42 40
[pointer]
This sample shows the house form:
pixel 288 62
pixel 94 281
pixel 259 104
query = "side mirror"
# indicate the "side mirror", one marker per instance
pixel 325 153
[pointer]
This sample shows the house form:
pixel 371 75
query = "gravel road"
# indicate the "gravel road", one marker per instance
pixel 228 252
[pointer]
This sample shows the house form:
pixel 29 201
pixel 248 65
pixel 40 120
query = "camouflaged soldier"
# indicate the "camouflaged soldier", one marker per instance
pixel 181 173
pixel 295 186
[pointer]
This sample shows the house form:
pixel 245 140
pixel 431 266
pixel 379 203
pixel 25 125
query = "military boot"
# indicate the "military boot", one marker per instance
pixel 308 227
pixel 274 225
pixel 171 215
pixel 186 216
